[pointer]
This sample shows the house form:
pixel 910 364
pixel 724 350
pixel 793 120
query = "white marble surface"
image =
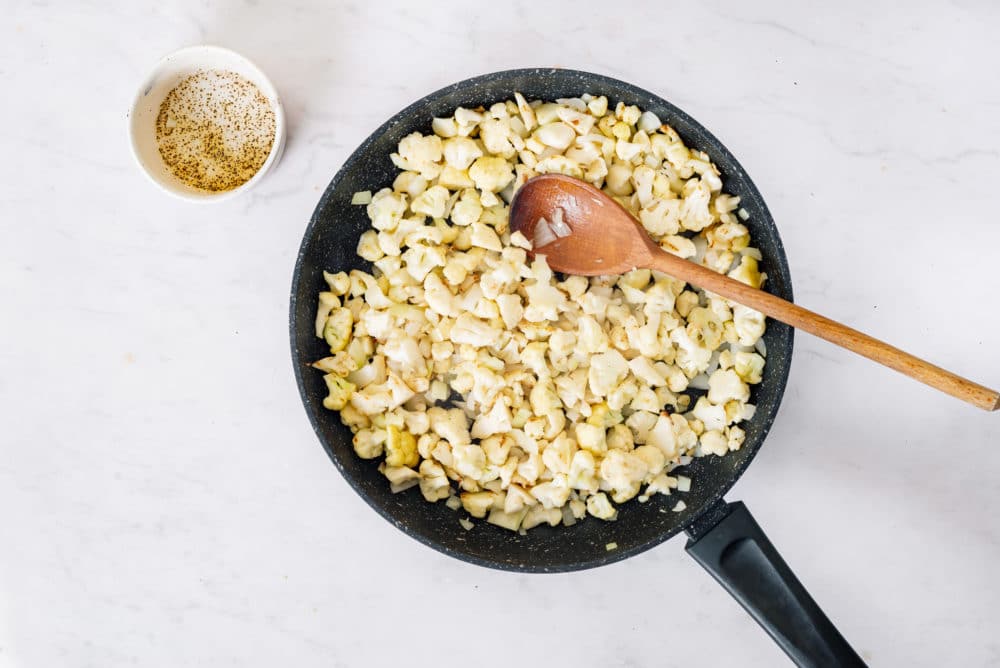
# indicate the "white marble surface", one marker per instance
pixel 163 501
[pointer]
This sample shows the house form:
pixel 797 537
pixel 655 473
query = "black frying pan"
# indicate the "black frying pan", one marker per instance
pixel 723 537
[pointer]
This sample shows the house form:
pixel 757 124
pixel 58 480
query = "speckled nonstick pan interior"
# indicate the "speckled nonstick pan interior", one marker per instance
pixel 724 537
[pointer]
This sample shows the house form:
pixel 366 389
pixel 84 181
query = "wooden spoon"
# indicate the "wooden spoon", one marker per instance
pixel 603 238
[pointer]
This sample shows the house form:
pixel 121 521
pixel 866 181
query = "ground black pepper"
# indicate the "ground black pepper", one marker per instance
pixel 215 130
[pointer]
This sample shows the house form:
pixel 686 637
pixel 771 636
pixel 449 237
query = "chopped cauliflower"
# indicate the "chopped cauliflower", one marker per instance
pixel 491 174
pixel 523 399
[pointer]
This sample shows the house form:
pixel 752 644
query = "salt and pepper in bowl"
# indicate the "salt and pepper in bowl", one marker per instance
pixel 207 124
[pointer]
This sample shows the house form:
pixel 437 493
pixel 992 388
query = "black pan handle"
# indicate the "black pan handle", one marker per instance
pixel 729 544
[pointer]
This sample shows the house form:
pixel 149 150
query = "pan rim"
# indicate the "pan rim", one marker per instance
pixel 783 368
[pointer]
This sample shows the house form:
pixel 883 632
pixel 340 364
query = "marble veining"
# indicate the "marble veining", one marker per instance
pixel 163 499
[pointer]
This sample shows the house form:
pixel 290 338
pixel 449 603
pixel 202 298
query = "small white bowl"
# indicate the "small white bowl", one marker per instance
pixel 166 75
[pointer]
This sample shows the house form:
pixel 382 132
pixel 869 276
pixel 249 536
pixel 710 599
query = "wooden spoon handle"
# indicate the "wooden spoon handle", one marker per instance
pixel 824 328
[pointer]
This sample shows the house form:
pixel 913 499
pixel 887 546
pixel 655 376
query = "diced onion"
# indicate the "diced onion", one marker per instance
pixel 761 347
pixel 700 382
pixel 567 513
pixel 543 234
pixel 713 364
pixel 558 225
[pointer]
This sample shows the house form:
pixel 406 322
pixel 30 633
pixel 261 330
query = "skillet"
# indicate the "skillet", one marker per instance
pixel 723 536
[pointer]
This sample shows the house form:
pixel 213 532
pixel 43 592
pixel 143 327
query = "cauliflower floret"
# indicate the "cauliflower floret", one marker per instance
pixel 749 324
pixel 461 152
pixel 431 202
pixel 468 120
pixel 404 355
pixel 468 209
pixel 544 301
pixel 497 448
pixel 691 357
pixel 444 127
pixel 400 477
pixel 714 442
pixel 694 212
pixel 386 209
pixel 652 457
pixel 619 437
pixel 375 399
pixel 339 391
pixel 558 454
pixel 606 371
pixel 734 438
pixel 530 467
pixel 662 436
pixel 623 470
pixel 450 425
pixel 583 472
pixel 434 483
pixel 491 174
pixel 552 494
pixel 543 398
pixel 340 364
pixel 537 515
pixel 559 164
pixel 648 122
pixel 419 153
pixel 748 273
pixel 327 302
pixel 471 330
pixel 603 415
pixel 516 499
pixel 748 366
pixel 732 236
pixel 646 400
pixel 646 371
pixel 469 460
pixel 377 324
pixel 409 183
pixel 421 260
pixel 400 448
pixel 368 443
pixel 485 237
pixel 591 438
pixel 497 421
pixel 712 416
pixel 600 507
pixel 496 135
pixel 705 328
pixel 686 438
pixel 661 217
pixel 338 283
pixel 686 302
pixel 725 385
pixel 373 372
pixel 478 504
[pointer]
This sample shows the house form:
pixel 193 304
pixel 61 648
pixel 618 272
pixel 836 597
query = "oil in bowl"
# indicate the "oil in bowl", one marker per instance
pixel 208 124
